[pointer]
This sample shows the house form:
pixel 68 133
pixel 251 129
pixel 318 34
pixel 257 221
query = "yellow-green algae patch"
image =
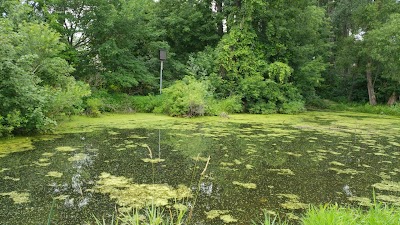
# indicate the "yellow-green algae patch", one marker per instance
pixel 65 149
pixel 249 167
pixel 387 186
pixel 222 215
pixel 282 171
pixel 347 171
pixel 130 195
pixel 292 202
pixel 395 200
pixel 77 157
pixel 199 158
pixel 54 174
pixel 228 219
pixel 17 197
pixel 4 169
pixel 11 178
pixel 12 145
pixel 225 164
pixel 363 201
pixel 335 163
pixel 48 154
pixel 245 185
pixel 156 160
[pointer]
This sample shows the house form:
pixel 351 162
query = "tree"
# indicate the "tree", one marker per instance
pixel 32 74
pixel 384 47
pixel 124 40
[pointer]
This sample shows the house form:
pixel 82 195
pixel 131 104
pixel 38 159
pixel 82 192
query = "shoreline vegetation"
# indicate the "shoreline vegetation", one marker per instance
pixel 329 214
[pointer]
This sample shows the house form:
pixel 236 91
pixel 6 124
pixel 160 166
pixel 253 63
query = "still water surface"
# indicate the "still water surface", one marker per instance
pixel 281 167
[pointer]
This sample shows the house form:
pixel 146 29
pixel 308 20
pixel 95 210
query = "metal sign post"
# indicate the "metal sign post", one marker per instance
pixel 163 57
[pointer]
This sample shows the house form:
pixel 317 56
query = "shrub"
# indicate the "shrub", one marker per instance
pixel 186 97
pixel 231 104
pixel 146 104
pixel 292 107
pixel 93 106
pixel 261 107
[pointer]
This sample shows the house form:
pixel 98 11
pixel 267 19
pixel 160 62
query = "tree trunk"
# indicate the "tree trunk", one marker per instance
pixel 393 98
pixel 218 5
pixel 370 85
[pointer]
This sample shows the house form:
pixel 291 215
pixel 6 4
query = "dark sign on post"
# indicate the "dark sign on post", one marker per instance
pixel 163 55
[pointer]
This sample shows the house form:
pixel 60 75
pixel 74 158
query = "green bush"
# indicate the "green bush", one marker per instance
pixel 186 97
pixel 393 110
pixel 261 107
pixel 93 106
pixel 232 104
pixel 146 104
pixel 292 107
pixel 115 102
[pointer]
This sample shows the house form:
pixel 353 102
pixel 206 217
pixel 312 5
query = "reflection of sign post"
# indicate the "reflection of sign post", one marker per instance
pixel 163 57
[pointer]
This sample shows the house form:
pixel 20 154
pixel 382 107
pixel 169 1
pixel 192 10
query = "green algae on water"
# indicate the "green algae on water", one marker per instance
pixel 216 213
pixel 11 178
pixel 347 171
pixel 395 200
pixel 249 167
pixel 245 185
pixel 18 198
pixel 292 202
pixel 78 157
pixel 130 195
pixel 8 146
pixel 227 164
pixel 363 201
pixel 228 219
pixel 54 174
pixel 335 163
pixel 156 160
pixel 65 149
pixel 288 172
pixel 387 186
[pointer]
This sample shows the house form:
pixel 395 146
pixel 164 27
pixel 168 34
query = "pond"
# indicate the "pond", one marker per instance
pixel 227 170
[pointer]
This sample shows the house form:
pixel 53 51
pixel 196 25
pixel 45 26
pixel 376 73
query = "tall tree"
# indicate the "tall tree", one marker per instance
pixel 124 40
pixel 35 86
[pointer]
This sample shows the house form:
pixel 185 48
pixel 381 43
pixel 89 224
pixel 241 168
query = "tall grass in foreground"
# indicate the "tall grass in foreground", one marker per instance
pixel 378 214
pixel 151 215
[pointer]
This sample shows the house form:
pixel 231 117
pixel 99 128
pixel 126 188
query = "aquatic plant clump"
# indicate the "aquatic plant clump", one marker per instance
pixel 245 185
pixel 387 186
pixel 17 197
pixel 135 196
pixel 222 215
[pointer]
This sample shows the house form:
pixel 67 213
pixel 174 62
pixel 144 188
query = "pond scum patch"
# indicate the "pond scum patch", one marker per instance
pixel 130 196
pixel 222 215
pixel 17 197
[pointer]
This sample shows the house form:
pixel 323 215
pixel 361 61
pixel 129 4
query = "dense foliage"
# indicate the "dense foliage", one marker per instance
pixel 250 55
